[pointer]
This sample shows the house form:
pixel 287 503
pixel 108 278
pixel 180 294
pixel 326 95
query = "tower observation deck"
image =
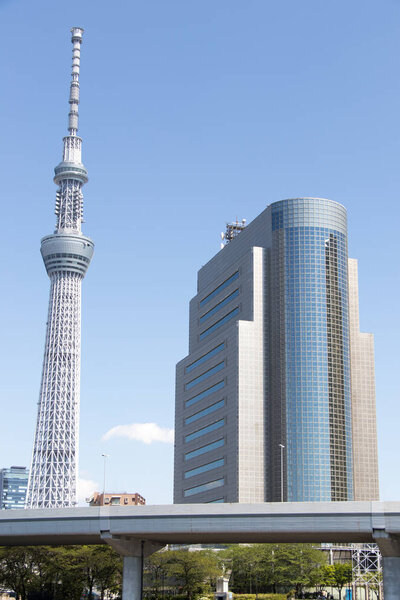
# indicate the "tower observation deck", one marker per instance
pixel 66 254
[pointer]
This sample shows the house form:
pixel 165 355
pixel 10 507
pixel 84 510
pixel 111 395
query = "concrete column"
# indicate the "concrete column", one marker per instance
pixel 391 577
pixel 132 578
pixel 133 552
pixel 389 545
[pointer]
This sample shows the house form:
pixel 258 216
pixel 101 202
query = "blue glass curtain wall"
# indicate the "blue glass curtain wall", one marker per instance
pixel 312 264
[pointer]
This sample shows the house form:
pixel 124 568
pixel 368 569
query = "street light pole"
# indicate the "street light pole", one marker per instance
pixel 105 456
pixel 281 446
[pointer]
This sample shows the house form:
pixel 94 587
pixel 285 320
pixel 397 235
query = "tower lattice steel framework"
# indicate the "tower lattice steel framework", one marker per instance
pixel 66 255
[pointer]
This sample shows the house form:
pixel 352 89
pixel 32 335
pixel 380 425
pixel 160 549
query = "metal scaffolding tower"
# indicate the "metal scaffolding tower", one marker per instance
pixel 366 561
pixel 66 255
pixel 367 572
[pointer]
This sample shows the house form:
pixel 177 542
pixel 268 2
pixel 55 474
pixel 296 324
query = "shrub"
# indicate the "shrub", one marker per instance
pixel 259 596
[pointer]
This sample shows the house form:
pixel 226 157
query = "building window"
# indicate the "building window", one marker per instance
pixel 205 375
pixel 208 467
pixel 205 357
pixel 219 323
pixel 204 449
pixel 204 394
pixel 219 289
pixel 204 488
pixel 218 306
pixel 205 411
pixel 204 430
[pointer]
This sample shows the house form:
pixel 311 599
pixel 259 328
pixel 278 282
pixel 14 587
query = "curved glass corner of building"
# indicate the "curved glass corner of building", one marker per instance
pixel 310 334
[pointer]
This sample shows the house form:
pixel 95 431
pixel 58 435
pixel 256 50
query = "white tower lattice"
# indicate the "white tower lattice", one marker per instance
pixel 66 255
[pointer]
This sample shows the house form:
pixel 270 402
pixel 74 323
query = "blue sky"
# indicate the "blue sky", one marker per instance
pixel 192 114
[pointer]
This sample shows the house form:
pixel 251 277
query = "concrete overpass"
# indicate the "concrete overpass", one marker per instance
pixel 140 530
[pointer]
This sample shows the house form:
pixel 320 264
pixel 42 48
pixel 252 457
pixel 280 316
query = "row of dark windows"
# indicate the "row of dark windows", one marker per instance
pixel 219 289
pixel 66 255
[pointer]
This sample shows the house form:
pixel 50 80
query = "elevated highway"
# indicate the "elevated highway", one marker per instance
pixel 139 530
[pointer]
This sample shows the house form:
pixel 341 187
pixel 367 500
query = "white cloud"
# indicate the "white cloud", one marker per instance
pixel 85 489
pixel 142 432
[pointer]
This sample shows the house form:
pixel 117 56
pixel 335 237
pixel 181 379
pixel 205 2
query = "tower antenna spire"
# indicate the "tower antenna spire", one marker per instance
pixel 73 116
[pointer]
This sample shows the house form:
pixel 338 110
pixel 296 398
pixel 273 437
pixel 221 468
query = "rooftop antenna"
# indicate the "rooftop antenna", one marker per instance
pixel 232 230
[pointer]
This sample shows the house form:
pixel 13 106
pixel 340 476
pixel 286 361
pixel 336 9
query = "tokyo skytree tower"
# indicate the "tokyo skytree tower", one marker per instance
pixel 66 255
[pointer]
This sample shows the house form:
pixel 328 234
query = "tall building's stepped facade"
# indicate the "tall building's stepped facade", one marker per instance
pixel 272 400
pixel 66 254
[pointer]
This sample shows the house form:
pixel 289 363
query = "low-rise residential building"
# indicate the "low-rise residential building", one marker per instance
pixel 117 499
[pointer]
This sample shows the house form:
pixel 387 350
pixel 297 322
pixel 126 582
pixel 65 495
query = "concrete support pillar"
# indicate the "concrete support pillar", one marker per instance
pixel 133 552
pixel 391 577
pixel 389 545
pixel 132 578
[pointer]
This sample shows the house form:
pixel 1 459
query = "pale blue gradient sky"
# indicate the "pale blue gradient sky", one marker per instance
pixel 192 113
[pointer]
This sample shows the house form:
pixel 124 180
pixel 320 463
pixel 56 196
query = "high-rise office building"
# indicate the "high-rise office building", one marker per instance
pixel 13 486
pixel 66 255
pixel 275 400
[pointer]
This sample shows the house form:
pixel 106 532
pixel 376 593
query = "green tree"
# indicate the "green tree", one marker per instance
pixel 193 570
pixel 252 567
pixel 156 571
pixel 59 573
pixel 16 570
pixel 66 569
pixel 244 561
pixel 297 565
pixel 102 568
pixel 338 575
pixel 56 573
pixel 261 567
pixel 40 572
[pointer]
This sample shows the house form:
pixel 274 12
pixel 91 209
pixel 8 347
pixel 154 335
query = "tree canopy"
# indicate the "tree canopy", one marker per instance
pixel 253 569
pixel 71 573
pixel 192 572
pixel 59 573
pixel 338 576
pixel 262 567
